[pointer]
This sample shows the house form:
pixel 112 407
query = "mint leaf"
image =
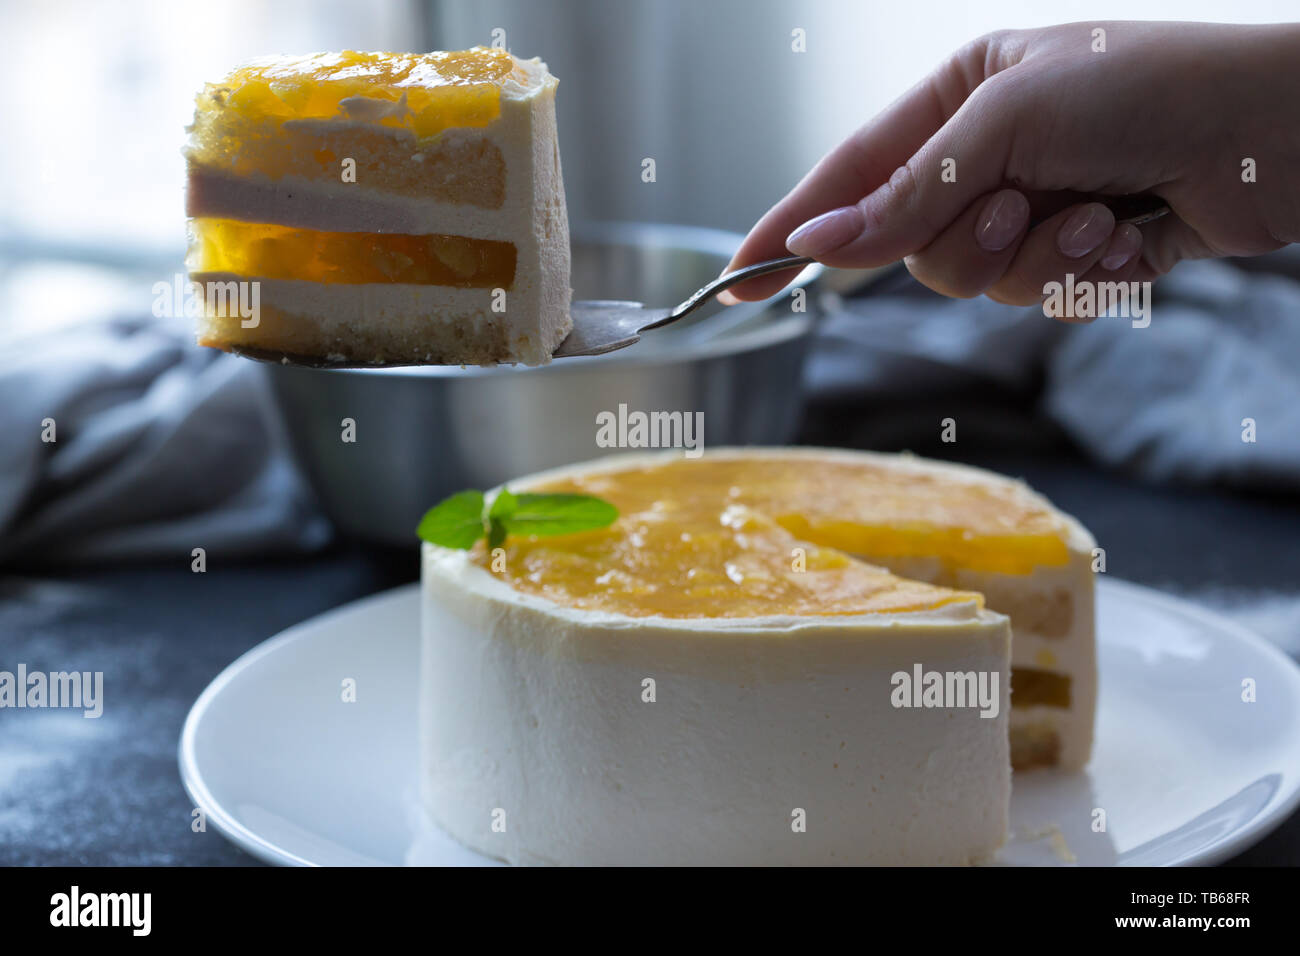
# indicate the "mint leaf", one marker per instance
pixel 459 521
pixel 545 515
pixel 504 504
pixel 455 522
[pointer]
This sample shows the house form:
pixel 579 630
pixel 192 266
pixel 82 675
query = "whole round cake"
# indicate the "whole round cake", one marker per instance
pixel 771 656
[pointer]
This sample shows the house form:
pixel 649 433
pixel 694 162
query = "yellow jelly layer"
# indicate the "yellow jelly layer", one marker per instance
pixel 751 536
pixel 661 559
pixel 268 251
pixel 886 513
pixel 428 92
pixel 1030 686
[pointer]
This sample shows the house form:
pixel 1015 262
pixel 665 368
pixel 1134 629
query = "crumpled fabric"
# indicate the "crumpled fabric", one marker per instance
pixel 1208 392
pixel 159 448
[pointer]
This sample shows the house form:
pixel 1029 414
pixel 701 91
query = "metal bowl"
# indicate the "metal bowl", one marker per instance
pixel 424 433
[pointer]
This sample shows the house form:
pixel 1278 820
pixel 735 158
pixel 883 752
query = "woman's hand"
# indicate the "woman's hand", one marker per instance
pixel 1024 122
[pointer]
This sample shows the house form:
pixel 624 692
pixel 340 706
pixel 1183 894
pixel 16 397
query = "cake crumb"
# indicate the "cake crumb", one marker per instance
pixel 1056 840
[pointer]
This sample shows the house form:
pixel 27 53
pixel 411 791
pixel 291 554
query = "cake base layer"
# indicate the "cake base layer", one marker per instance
pixel 380 324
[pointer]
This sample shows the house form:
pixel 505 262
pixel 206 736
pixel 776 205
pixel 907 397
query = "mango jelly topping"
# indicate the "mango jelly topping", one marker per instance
pixel 718 538
pixel 1031 686
pixel 268 251
pixel 427 92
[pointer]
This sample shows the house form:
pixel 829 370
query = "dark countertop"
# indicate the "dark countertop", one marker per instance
pixel 107 791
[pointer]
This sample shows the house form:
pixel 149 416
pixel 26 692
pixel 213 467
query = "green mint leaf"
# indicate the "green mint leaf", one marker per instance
pixel 504 505
pixel 459 521
pixel 455 522
pixel 545 515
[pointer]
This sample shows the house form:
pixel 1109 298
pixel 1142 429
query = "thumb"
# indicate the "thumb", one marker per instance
pixel 963 160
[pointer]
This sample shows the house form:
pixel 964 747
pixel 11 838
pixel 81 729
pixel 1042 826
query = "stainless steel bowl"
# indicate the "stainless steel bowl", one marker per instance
pixel 423 433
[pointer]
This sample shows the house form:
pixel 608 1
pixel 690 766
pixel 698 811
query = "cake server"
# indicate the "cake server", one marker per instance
pixel 606 325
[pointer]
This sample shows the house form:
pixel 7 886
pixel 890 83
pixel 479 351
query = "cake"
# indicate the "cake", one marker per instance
pixel 389 208
pixel 767 602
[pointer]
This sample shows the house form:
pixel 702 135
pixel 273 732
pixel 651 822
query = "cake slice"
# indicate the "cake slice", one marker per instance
pixel 696 684
pixel 391 208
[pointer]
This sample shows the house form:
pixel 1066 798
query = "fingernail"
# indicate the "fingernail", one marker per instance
pixel 1124 245
pixel 1086 229
pixel 827 232
pixel 726 298
pixel 1001 220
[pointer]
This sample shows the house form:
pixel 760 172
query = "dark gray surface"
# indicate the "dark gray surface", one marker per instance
pixel 106 791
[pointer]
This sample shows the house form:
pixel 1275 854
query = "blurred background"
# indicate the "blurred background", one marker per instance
pixel 92 174
pixel 163 447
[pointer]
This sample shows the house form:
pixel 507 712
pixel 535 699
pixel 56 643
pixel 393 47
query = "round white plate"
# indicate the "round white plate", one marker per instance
pixel 1184 770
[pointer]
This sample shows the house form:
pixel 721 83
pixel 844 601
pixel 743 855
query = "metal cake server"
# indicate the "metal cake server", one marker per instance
pixel 606 325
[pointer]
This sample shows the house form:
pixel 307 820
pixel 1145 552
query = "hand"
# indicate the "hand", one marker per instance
pixel 1031 119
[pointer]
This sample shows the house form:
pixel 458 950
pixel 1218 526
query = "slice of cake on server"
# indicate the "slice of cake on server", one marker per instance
pixel 393 208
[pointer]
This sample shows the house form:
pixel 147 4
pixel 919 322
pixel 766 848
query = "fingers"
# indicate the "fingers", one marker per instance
pixel 1072 241
pixel 975 251
pixel 1168 241
pixel 895 163
pixel 1120 262
pixel 1122 252
pixel 846 174
pixel 991 250
pixel 918 202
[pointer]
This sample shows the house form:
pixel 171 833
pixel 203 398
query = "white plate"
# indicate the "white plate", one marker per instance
pixel 1184 770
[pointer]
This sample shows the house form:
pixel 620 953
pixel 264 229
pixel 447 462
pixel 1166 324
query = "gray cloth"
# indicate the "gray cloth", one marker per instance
pixel 1166 402
pixel 1176 400
pixel 161 447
